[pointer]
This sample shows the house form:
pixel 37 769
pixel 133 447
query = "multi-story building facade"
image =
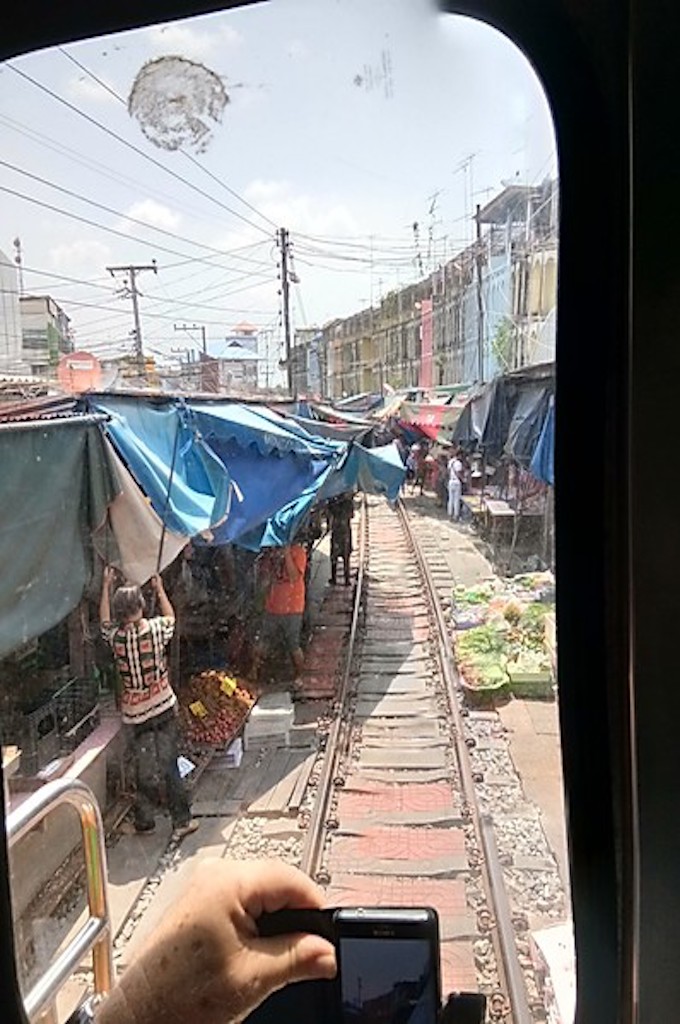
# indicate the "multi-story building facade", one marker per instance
pixel 489 309
pixel 45 330
pixel 307 362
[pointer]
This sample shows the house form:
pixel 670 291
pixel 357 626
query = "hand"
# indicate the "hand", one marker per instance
pixel 108 575
pixel 208 963
pixel 157 583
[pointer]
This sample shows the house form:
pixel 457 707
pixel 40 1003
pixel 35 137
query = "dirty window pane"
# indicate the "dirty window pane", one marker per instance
pixel 343 219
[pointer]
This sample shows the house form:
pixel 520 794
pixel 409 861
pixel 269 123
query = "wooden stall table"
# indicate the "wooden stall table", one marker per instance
pixel 497 512
pixel 475 506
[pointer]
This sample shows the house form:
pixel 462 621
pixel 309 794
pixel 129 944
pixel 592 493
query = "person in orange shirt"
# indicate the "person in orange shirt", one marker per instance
pixel 285 605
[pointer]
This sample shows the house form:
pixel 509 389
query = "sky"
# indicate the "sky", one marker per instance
pixel 347 122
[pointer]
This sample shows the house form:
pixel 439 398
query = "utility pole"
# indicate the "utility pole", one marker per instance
pixel 194 327
pixel 132 270
pixel 480 302
pixel 284 242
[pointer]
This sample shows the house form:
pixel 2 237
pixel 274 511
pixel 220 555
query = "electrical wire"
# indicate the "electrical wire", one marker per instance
pixel 103 227
pixel 133 148
pixel 184 153
pixel 116 213
pixel 155 315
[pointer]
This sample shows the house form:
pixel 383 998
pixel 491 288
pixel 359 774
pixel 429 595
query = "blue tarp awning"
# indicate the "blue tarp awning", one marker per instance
pixel 245 474
pixel 258 426
pixel 191 497
pixel 372 470
pixel 543 460
pixel 276 468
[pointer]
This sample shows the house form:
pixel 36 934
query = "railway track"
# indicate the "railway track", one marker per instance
pixel 392 811
pixel 396 818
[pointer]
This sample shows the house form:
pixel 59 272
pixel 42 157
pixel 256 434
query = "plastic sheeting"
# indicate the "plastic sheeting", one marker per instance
pixel 542 463
pixel 191 498
pixel 432 420
pixel 527 422
pixel 372 470
pixel 132 537
pixel 54 488
pixel 471 424
pixel 257 427
pixel 506 415
pixel 274 468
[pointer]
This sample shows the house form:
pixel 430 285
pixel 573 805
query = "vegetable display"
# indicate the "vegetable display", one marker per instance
pixel 214 707
pixel 506 642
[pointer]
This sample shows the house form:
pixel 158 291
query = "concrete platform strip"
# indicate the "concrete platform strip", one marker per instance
pixel 401 758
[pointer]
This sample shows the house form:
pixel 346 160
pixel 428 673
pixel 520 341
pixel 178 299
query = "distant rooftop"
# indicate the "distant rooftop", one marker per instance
pixel 511 203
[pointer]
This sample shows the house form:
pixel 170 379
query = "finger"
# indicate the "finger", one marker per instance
pixel 271 885
pixel 285 959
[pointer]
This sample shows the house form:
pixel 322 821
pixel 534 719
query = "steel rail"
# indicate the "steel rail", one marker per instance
pixel 511 971
pixel 95 934
pixel 338 735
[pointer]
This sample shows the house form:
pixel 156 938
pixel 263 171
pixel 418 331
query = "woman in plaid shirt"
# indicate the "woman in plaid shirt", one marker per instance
pixel 148 703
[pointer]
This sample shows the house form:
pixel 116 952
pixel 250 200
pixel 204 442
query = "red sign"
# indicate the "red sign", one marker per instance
pixel 79 371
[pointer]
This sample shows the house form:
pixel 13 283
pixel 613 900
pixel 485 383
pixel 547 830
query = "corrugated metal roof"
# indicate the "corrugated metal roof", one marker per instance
pixel 34 409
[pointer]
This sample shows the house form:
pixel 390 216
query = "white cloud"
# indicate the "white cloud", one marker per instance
pixel 183 41
pixel 84 89
pixel 313 215
pixel 297 49
pixel 84 258
pixel 153 213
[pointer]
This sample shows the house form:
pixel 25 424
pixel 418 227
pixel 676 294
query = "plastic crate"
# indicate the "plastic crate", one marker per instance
pixel 36 733
pixel 74 701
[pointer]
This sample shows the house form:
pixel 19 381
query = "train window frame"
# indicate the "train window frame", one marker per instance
pixel 580 53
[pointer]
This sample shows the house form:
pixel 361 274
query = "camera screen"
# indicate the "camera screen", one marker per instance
pixel 387 981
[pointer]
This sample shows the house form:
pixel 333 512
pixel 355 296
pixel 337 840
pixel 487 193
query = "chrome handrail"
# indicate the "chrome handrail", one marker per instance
pixel 95 935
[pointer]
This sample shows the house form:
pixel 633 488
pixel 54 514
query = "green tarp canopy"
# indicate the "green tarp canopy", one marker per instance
pixel 55 484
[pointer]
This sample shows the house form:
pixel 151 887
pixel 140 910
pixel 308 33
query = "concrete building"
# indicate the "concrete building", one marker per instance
pixel 237 358
pixel 45 333
pixel 307 362
pixel 11 353
pixel 238 367
pixel 488 310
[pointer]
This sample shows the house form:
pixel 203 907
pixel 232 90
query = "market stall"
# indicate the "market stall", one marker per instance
pixel 503 636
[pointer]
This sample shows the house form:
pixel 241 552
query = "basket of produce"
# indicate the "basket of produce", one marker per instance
pixel 481 654
pixel 528 664
pixel 215 706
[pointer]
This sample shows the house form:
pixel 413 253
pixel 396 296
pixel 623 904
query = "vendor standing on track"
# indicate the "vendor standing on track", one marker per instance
pixel 340 514
pixel 284 605
pixel 455 486
pixel 148 704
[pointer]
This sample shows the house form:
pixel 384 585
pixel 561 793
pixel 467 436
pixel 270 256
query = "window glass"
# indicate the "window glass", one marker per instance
pixel 344 213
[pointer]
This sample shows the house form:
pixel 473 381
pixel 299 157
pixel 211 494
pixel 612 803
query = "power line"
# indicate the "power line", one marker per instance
pixel 135 149
pixel 95 283
pixel 93 165
pixel 103 227
pixel 149 315
pixel 188 156
pixel 108 209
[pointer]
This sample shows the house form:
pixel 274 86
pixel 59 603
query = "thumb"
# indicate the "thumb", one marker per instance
pixel 287 958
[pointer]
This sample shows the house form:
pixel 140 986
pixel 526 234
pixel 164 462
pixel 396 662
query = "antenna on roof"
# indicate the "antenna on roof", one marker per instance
pixel 19 260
